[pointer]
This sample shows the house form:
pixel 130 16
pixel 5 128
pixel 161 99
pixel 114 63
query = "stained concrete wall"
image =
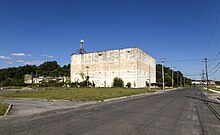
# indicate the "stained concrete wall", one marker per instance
pixel 131 64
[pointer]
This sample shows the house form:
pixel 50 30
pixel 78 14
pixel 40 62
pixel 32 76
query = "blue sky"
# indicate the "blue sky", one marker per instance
pixel 182 31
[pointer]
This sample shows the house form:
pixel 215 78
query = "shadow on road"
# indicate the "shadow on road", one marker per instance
pixel 203 100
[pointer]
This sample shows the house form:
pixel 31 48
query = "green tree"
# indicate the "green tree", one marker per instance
pixel 168 80
pixel 118 82
pixel 168 77
pixel 49 68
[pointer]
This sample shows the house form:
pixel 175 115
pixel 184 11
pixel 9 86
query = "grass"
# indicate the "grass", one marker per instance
pixel 13 87
pixel 218 89
pixel 3 108
pixel 76 94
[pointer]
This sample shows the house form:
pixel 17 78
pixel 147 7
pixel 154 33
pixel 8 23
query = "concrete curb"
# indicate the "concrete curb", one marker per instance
pixel 137 95
pixel 214 91
pixel 7 111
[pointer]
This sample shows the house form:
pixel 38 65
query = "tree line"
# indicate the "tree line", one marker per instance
pixel 14 76
pixel 178 77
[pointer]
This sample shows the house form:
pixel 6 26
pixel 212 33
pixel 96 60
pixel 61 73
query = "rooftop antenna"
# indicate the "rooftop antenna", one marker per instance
pixel 81 49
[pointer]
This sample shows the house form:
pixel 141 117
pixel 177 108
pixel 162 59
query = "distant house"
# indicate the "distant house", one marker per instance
pixel 202 82
pixel 197 82
pixel 28 79
pixel 49 78
pixel 37 80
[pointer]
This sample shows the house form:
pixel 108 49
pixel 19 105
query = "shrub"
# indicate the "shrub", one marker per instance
pixel 128 85
pixel 118 82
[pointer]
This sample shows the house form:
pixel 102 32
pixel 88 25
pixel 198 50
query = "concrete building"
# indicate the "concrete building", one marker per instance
pixel 131 64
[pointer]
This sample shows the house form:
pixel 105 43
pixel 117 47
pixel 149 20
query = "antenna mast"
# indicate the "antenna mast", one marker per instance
pixel 81 50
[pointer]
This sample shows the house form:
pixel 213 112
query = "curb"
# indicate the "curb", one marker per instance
pixel 7 111
pixel 125 97
pixel 214 91
pixel 137 95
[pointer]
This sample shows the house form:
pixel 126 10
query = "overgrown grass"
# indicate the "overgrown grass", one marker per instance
pixel 77 94
pixel 3 108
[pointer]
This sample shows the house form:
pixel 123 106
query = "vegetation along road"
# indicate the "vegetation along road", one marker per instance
pixel 178 112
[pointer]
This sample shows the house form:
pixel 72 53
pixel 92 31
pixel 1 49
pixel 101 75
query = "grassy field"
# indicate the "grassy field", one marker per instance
pixel 3 108
pixel 76 94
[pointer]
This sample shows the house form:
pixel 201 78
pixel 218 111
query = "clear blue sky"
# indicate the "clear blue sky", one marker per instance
pixel 33 31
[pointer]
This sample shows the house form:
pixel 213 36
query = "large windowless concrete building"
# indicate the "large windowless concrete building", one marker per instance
pixel 131 64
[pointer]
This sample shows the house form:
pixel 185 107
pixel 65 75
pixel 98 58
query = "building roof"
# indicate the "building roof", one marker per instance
pixel 113 50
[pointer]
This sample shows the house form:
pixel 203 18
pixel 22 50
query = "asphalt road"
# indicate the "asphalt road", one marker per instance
pixel 177 112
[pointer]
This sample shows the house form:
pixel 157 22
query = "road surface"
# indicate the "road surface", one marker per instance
pixel 176 112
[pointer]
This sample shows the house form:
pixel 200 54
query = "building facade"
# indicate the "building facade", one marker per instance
pixel 28 79
pixel 131 64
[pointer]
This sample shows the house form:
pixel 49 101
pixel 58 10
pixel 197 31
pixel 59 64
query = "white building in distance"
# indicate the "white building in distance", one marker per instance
pixel 131 64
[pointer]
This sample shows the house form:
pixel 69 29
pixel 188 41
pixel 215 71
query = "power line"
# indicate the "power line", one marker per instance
pixel 214 72
pixel 215 58
pixel 214 67
pixel 186 60
pixel 213 30
pixel 193 75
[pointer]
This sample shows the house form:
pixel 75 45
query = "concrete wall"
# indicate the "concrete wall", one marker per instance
pixel 130 64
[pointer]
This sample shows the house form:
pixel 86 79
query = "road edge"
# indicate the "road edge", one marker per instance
pixel 215 91
pixel 138 95
pixel 7 111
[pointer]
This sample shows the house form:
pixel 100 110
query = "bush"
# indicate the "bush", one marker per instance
pixel 118 82
pixel 51 84
pixel 73 85
pixel 128 85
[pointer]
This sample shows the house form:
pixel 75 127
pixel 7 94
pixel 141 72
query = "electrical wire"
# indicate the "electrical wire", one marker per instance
pixel 193 75
pixel 215 58
pixel 214 71
pixel 214 67
pixel 213 31
pixel 186 60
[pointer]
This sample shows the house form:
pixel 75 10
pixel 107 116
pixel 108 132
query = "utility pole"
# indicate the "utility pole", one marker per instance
pixel 177 81
pixel 181 81
pixel 149 78
pixel 162 59
pixel 184 78
pixel 207 79
pixel 203 77
pixel 87 78
pixel 172 76
pixel 36 73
